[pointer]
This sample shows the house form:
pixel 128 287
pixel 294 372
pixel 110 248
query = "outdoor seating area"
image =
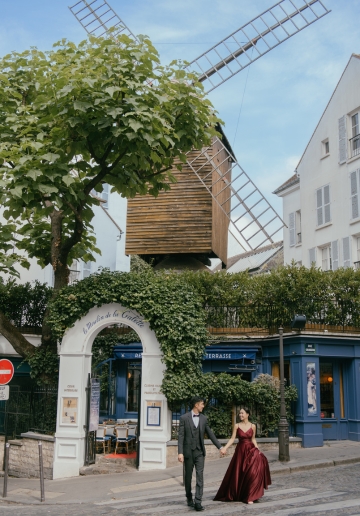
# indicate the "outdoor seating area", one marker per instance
pixel 116 437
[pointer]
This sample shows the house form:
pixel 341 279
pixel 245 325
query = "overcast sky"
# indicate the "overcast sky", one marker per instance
pixel 270 109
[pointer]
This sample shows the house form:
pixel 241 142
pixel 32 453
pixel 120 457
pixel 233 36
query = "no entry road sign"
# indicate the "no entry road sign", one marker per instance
pixel 6 371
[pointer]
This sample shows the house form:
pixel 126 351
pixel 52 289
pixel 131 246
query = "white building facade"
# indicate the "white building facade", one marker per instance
pixel 321 201
pixel 109 224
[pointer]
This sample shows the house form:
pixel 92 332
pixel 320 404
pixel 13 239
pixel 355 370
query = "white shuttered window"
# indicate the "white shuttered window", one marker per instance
pixel 335 255
pixel 346 251
pixel 312 256
pixel 292 229
pixel 326 263
pixel 354 191
pixel 323 205
pixel 342 140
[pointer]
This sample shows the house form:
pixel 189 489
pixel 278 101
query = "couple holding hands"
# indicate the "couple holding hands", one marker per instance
pixel 248 473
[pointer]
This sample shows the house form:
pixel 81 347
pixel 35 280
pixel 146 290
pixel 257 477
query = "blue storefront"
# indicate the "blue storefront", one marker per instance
pixel 324 368
pixel 121 400
pixel 326 372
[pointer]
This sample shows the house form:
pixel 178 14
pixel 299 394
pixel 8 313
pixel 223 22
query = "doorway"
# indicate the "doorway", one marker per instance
pixel 332 399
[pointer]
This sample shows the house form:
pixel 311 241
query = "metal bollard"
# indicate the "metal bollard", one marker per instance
pixel 6 468
pixel 41 467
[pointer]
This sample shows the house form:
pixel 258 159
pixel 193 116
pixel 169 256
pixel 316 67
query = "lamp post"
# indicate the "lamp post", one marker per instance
pixel 298 323
pixel 283 424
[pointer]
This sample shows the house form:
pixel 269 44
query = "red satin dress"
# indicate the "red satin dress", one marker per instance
pixel 248 472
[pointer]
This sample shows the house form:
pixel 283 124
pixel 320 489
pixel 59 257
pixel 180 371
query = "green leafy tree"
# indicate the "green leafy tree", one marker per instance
pixel 77 117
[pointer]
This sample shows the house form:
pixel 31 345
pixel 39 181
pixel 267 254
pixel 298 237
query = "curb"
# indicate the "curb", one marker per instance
pixel 284 470
pixel 315 465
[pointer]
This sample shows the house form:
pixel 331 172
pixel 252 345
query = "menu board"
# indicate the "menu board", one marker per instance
pixel 153 414
pixel 69 411
pixel 94 404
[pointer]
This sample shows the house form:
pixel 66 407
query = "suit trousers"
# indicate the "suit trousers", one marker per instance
pixel 196 459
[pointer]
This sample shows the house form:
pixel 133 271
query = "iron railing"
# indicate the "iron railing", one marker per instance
pixel 30 408
pixel 336 315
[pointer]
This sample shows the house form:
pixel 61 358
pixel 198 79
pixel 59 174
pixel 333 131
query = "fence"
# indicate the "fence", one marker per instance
pixel 335 315
pixel 31 408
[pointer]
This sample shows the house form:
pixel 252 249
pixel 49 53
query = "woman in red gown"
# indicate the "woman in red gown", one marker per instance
pixel 248 472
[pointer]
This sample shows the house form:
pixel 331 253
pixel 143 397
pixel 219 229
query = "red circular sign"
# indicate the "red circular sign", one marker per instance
pixel 6 371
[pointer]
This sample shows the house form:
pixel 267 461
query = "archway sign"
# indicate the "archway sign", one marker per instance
pixel 75 365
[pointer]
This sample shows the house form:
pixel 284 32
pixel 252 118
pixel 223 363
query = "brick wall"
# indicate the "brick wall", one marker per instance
pixel 24 456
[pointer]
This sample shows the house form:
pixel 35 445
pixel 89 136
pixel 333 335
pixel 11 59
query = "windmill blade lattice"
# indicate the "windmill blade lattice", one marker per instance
pixel 253 221
pixel 262 34
pixel 97 17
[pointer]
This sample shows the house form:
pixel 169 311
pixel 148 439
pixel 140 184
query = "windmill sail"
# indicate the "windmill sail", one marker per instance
pixel 97 17
pixel 252 220
pixel 254 39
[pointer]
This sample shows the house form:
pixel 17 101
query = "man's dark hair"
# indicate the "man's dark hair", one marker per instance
pixel 194 400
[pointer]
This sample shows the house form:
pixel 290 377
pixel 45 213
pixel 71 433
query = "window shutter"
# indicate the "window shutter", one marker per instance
pixel 346 251
pixel 354 195
pixel 335 255
pixel 327 216
pixel 342 140
pixel 292 229
pixel 312 256
pixel 319 207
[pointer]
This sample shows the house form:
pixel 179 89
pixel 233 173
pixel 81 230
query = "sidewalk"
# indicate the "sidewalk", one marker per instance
pixel 104 488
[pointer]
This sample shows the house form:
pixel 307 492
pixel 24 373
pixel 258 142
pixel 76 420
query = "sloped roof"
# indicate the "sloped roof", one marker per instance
pixel 253 260
pixel 357 56
pixel 291 181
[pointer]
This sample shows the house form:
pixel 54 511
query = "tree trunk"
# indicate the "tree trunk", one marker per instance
pixel 16 339
pixel 61 272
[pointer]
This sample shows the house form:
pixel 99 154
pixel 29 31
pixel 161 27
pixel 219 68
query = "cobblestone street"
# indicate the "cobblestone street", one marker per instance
pixel 323 491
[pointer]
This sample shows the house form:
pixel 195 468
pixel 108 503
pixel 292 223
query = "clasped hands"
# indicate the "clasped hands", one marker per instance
pixel 222 454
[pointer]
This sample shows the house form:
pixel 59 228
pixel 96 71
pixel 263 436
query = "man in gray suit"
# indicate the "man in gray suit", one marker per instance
pixel 191 449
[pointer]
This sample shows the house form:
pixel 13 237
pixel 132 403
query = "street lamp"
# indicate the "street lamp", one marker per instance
pixel 298 322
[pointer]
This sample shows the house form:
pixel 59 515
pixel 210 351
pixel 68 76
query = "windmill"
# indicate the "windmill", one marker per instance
pixel 213 193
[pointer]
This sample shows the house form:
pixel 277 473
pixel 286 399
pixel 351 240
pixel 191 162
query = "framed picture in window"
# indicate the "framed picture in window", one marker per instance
pixel 153 413
pixel 311 388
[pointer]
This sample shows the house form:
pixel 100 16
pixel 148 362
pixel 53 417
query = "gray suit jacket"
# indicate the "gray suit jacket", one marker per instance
pixel 187 440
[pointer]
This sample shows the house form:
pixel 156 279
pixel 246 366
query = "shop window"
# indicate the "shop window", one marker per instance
pixel 275 371
pixel 133 385
pixel 327 390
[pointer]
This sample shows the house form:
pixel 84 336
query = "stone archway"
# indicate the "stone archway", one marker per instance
pixel 75 365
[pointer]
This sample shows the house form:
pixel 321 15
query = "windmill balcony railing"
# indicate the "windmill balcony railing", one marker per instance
pixel 355 145
pixel 334 316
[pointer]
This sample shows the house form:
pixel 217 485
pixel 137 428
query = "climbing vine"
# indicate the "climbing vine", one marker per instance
pixel 170 305
pixel 173 308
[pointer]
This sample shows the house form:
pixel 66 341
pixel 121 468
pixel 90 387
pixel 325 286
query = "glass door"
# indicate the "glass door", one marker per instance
pixel 332 403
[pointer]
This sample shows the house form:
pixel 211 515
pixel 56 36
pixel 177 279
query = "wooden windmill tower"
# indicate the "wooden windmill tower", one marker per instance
pixel 213 194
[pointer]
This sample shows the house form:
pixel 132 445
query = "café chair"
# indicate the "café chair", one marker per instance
pixel 102 440
pixel 122 438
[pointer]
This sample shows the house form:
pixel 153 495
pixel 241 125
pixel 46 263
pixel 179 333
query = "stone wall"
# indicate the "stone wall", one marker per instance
pixel 213 453
pixel 24 456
